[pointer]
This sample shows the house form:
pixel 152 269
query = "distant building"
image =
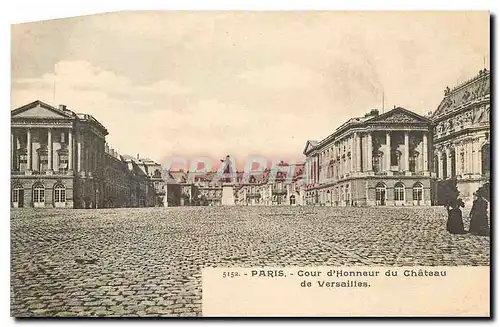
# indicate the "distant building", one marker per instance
pixel 461 126
pixel 60 159
pixel 256 189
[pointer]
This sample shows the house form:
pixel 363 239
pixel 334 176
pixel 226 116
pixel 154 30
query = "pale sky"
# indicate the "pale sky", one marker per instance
pixel 245 83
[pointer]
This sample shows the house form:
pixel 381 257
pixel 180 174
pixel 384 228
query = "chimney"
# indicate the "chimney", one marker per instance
pixel 62 107
pixel 138 156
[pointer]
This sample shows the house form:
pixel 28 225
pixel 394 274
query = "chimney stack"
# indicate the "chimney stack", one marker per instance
pixel 138 156
pixel 62 107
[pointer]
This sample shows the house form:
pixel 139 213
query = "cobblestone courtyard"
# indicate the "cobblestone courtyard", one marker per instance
pixel 147 261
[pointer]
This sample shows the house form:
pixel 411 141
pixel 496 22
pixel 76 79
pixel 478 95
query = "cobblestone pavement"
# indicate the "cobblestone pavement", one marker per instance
pixel 147 261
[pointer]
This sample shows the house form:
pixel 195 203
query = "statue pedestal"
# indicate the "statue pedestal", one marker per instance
pixel 227 195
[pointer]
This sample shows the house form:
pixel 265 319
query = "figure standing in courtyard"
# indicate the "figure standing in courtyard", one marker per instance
pixel 479 216
pixel 455 223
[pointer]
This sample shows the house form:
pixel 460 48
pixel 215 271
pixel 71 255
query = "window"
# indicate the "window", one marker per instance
pixel 63 161
pixel 485 159
pixel 59 193
pixel 413 162
pixel 418 191
pixel 395 155
pixel 453 163
pixel 399 192
pixel 380 191
pixel 23 160
pixel 444 172
pixel 43 159
pixel 16 193
pixel 38 193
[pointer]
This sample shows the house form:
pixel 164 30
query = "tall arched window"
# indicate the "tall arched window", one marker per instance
pixel 485 160
pixel 59 195
pixel 380 193
pixel 43 159
pixel 17 196
pixel 413 159
pixel 38 195
pixel 395 157
pixel 418 191
pixel 444 172
pixel 63 160
pixel 453 163
pixel 399 192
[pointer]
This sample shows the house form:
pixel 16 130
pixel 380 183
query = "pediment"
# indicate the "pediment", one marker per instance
pixel 39 109
pixel 399 115
pixel 309 146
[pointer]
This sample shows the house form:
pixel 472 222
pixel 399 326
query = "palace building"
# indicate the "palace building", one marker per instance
pixel 60 159
pixel 461 129
pixel 372 160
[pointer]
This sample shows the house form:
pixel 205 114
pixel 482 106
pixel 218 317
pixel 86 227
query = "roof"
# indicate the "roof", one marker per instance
pixel 397 115
pixel 476 88
pixel 68 114
pixel 41 110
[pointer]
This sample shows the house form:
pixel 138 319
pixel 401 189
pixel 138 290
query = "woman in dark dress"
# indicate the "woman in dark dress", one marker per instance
pixel 455 224
pixel 479 216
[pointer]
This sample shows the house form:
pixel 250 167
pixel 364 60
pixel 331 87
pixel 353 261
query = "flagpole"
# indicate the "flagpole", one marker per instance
pixel 383 102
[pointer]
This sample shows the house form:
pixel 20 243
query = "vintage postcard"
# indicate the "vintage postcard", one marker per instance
pixel 218 163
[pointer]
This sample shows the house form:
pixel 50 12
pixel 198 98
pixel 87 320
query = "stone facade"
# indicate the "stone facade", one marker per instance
pixel 461 126
pixel 60 158
pixel 400 158
pixel 372 160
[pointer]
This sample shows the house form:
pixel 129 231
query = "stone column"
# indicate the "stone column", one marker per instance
pixel 79 152
pixel 448 162
pixel 318 168
pixel 70 150
pixel 12 151
pixel 469 157
pixel 28 146
pixel 440 172
pixel 353 158
pixel 335 163
pixel 425 152
pixel 476 158
pixel 388 151
pixel 369 153
pixel 458 163
pixel 357 152
pixel 406 158
pixel 363 153
pixel 49 147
